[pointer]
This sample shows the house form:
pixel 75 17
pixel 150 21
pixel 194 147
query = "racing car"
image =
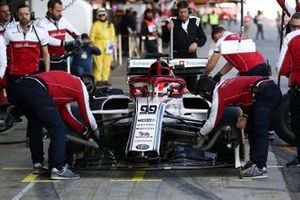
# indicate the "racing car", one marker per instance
pixel 156 123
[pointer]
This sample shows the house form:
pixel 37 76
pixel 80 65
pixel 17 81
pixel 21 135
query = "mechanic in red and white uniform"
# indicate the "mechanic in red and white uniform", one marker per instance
pixel 25 43
pixel 6 21
pixel 57 27
pixel 289 65
pixel 258 96
pixel 248 64
pixel 290 6
pixel 3 58
pixel 46 106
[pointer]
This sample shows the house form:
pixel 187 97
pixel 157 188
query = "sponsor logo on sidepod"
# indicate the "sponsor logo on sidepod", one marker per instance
pixel 142 146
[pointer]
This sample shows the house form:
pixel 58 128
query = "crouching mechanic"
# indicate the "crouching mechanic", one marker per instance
pixel 258 96
pixel 248 64
pixel 43 98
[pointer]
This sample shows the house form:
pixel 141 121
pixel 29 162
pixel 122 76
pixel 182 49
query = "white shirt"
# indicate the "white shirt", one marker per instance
pixel 3 58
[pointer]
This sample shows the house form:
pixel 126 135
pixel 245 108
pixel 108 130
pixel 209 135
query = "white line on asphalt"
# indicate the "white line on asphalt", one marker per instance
pixel 22 192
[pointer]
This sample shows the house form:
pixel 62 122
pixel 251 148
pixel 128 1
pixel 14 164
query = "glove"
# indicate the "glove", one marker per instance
pixel 217 77
pixel 200 140
pixel 69 45
pixel 86 134
pixel 96 134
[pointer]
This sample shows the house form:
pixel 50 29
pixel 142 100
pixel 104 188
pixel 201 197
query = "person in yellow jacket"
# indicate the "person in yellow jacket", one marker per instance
pixel 103 36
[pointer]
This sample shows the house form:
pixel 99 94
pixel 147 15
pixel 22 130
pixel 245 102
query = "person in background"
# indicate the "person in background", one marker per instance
pixel 128 24
pixel 188 35
pixel 82 62
pixel 278 24
pixel 6 20
pixel 258 20
pixel 213 19
pixel 247 24
pixel 204 20
pixel 289 65
pixel 104 37
pixel 149 32
pixel 57 27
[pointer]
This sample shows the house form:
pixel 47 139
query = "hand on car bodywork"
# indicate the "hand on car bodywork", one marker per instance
pixel 241 123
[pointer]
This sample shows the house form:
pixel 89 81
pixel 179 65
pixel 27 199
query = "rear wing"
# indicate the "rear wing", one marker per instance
pixel 179 66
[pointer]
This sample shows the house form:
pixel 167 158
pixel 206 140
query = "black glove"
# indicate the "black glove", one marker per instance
pixel 96 133
pixel 217 77
pixel 69 45
pixel 86 134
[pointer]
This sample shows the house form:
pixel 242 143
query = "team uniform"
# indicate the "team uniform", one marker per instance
pixel 47 106
pixel 248 64
pixel 57 31
pixel 259 106
pixel 289 65
pixel 187 33
pixel 24 49
pixel 3 58
pixel 65 89
pixel 184 34
pixel 149 33
pixel 290 6
pixel 9 24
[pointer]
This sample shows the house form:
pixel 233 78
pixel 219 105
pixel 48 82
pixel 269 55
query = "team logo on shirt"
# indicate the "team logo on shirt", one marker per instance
pixel 25 45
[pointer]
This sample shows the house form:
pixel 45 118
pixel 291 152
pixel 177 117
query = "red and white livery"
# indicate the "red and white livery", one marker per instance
pixel 58 30
pixel 24 49
pixel 66 89
pixel 243 62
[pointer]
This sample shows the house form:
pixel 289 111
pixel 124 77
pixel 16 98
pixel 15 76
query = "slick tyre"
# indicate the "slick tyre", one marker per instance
pixel 281 122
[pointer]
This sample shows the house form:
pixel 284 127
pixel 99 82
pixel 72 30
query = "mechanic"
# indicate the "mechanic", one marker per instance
pixel 57 27
pixel 149 31
pixel 258 96
pixel 289 65
pixel 25 43
pixel 6 21
pixel 3 57
pixel 47 105
pixel 189 31
pixel 248 64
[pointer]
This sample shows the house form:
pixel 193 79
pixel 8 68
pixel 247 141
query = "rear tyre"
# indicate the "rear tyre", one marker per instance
pixel 281 121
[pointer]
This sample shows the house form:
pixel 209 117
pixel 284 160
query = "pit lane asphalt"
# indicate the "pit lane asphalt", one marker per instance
pixel 18 183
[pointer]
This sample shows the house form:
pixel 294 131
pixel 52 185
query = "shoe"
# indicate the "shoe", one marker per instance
pixel 63 174
pixel 18 119
pixel 38 168
pixel 247 165
pixel 294 163
pixel 106 83
pixel 254 172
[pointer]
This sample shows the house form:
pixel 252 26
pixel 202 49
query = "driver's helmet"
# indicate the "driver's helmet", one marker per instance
pixel 159 68
pixel 205 87
pixel 89 82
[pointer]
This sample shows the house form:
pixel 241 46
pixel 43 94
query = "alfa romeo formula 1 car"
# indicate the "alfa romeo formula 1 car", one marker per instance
pixel 157 122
